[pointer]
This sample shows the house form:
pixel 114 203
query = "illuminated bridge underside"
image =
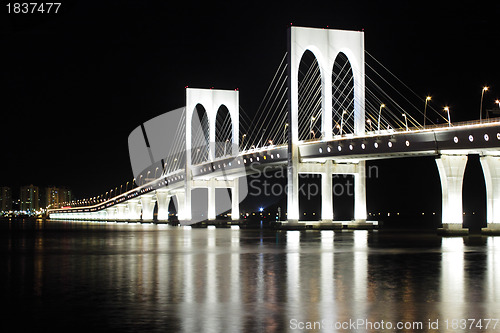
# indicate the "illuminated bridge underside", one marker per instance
pixel 462 140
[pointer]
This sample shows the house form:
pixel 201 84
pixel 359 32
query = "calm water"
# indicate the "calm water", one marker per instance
pixel 59 276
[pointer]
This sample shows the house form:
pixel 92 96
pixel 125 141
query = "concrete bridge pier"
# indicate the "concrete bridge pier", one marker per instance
pixel 111 213
pixel 134 211
pixel 235 200
pixel 148 205
pixel 163 199
pixel 451 172
pixel 491 171
pixel 211 199
pixel 120 211
pixel 184 205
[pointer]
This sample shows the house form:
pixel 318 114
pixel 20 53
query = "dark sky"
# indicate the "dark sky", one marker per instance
pixel 76 83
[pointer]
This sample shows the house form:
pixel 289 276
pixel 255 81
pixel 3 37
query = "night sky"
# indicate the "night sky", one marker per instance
pixel 76 83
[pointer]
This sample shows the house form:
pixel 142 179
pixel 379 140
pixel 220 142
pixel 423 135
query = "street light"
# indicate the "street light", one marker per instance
pixel 379 113
pixel 242 140
pixel 369 123
pixel 406 121
pixel 481 105
pixel 225 144
pixel 310 124
pixel 427 99
pixel 342 121
pixel 284 133
pixel 498 102
pixel 447 109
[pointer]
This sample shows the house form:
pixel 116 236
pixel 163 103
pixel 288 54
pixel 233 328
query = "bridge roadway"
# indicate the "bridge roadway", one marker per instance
pixel 460 139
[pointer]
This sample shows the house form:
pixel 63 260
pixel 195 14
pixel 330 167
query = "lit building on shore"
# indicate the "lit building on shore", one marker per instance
pixel 5 199
pixel 56 197
pixel 29 198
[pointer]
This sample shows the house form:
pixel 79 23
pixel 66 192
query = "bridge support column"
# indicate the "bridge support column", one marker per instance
pixel 491 171
pixel 360 193
pixel 211 200
pixel 235 200
pixel 183 208
pixel 292 215
pixel 360 215
pixel 327 193
pixel 111 213
pixel 451 172
pixel 163 199
pixel 120 211
pixel 134 211
pixel 148 205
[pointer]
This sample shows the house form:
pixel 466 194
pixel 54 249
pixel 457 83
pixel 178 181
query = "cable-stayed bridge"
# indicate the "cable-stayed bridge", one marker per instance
pixel 212 143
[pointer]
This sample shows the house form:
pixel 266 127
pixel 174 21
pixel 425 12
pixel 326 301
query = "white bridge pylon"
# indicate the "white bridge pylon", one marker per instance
pixel 325 45
pixel 211 100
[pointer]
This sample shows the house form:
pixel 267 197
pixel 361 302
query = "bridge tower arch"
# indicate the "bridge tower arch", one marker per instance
pixel 325 45
pixel 212 100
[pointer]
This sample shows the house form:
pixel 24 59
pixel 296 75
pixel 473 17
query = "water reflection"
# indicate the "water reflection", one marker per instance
pixel 147 277
pixel 452 278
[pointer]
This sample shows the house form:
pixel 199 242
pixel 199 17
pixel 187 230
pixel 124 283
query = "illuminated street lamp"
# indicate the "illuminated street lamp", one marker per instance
pixel 342 121
pixel 379 113
pixel 481 105
pixel 369 123
pixel 406 121
pixel 310 124
pixel 447 109
pixel 427 99
pixel 284 133
pixel 242 140
pixel 498 102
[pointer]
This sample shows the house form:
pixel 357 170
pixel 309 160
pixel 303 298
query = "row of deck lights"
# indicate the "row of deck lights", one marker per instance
pixel 205 169
pixel 407 143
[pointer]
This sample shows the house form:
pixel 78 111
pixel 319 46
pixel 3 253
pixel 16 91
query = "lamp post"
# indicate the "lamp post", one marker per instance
pixel 427 99
pixel 379 113
pixel 225 144
pixel 406 121
pixel 481 105
pixel 242 140
pixel 342 122
pixel 447 109
pixel 369 124
pixel 310 124
pixel 284 132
